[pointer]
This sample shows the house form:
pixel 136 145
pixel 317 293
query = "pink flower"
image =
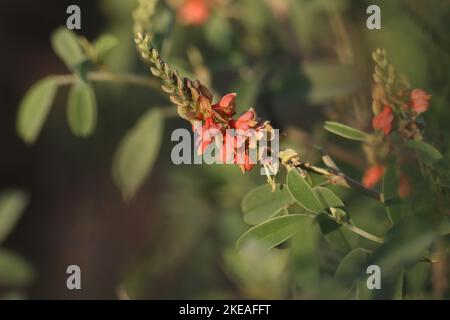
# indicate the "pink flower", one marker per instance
pixel 420 101
pixel 226 105
pixel 194 12
pixel 373 175
pixel 245 121
pixel 383 120
pixel 206 134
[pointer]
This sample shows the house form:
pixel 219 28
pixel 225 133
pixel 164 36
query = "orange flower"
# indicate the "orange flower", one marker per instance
pixel 404 186
pixel 226 105
pixel 420 101
pixel 373 175
pixel 383 120
pixel 245 121
pixel 194 12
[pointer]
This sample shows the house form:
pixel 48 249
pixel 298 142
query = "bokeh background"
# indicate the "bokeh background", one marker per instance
pixel 298 62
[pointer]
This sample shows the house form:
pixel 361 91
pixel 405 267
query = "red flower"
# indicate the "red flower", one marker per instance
pixel 206 134
pixel 245 121
pixel 373 175
pixel 404 186
pixel 226 105
pixel 420 101
pixel 246 166
pixel 383 120
pixel 194 12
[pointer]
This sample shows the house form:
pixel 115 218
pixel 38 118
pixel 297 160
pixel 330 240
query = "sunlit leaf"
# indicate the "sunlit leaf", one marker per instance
pixel 14 270
pixel 261 203
pixel 345 131
pixel 34 108
pixel 66 46
pixel 104 44
pixel 82 109
pixel 12 204
pixel 137 152
pixel 301 191
pixel 328 198
pixel 274 231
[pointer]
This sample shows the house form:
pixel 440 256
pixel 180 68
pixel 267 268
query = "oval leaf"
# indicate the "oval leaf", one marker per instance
pixel 137 153
pixel 328 198
pixel 34 108
pixel 302 192
pixel 12 204
pixel 351 267
pixel 427 151
pixel 82 109
pixel 345 131
pixel 274 231
pixel 14 270
pixel 66 46
pixel 104 44
pixel 261 203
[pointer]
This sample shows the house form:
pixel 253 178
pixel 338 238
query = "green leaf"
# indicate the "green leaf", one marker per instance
pixel 14 270
pixel 261 203
pixel 345 131
pixel 301 191
pixel 82 109
pixel 104 44
pixel 12 204
pixel 66 46
pixel 137 152
pixel 429 153
pixel 392 199
pixel 351 268
pixel 328 198
pixel 305 262
pixel 274 231
pixel 416 278
pixel 34 108
pixel 337 236
pixel 405 243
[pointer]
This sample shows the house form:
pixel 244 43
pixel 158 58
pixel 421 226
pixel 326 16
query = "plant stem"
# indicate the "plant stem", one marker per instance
pixel 102 76
pixel 343 180
pixel 363 233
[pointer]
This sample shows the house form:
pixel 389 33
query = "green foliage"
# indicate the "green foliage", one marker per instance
pixel 137 152
pixel 12 204
pixel 351 269
pixel 104 44
pixel 345 131
pixel 302 192
pixel 274 231
pixel 427 152
pixel 82 109
pixel 262 203
pixel 14 270
pixel 34 108
pixel 66 45
pixel 392 199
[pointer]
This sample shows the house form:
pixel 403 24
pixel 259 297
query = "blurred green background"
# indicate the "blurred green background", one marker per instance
pixel 299 62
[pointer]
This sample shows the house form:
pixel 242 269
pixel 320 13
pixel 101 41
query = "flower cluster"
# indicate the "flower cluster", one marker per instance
pixel 393 100
pixel 217 119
